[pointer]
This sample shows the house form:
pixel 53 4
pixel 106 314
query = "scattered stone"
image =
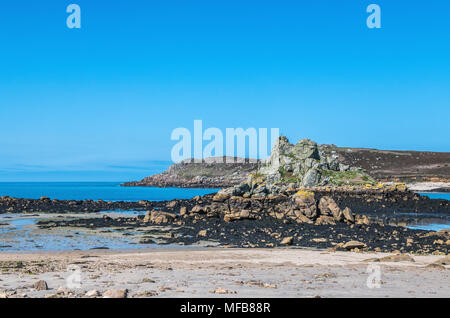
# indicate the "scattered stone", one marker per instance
pixel 40 285
pixel 287 240
pixel 222 291
pixel 95 293
pixel 115 293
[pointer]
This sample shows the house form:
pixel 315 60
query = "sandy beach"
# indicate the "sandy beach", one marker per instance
pixel 214 272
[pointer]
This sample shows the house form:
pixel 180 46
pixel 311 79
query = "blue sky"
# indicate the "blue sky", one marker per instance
pixel 110 94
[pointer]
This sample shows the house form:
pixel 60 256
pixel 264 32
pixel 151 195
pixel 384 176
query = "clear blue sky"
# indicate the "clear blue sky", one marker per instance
pixel 109 94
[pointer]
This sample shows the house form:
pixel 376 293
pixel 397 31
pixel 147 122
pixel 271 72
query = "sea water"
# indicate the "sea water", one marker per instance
pixel 107 191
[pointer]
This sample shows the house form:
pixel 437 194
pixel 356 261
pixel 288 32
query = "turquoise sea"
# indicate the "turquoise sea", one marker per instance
pixel 445 196
pixel 108 191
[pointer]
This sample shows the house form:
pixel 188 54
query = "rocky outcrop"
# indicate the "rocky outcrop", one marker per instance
pixel 305 165
pixel 211 173
pixel 301 207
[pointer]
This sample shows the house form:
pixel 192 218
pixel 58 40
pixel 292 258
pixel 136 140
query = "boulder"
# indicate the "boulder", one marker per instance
pixel 40 285
pixel 305 202
pixel 221 197
pixel 198 209
pixel 348 215
pixel 353 244
pixel 158 217
pixel 287 240
pixel 311 178
pixel 328 207
pixel 183 210
pixel 325 220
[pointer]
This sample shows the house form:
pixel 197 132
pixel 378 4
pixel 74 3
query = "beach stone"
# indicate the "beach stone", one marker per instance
pixel 183 210
pixel 92 293
pixel 198 209
pixel 353 244
pixel 40 285
pixel 202 233
pixel 171 204
pixel 348 215
pixel 221 197
pixel 302 218
pixel 325 220
pixel 116 293
pixel 287 240
pixel 62 290
pixel 158 217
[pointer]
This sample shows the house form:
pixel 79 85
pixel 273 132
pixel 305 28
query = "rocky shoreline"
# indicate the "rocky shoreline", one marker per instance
pixel 364 219
pixel 300 196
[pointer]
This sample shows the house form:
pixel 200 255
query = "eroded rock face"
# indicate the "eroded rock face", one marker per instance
pixel 304 165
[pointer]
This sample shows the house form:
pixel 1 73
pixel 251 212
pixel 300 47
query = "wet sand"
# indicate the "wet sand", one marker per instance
pixel 220 272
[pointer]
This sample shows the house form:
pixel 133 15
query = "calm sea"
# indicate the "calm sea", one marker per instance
pixel 108 191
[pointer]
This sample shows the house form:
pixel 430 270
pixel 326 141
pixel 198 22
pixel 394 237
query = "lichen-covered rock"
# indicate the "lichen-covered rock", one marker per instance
pixel 306 203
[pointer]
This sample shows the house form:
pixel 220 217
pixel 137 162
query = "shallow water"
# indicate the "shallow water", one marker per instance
pixel 430 227
pixel 22 234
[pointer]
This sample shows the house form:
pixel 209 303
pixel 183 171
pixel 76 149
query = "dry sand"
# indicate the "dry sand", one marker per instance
pixel 221 273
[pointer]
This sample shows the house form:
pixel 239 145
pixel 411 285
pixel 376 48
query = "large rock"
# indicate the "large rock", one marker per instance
pixel 158 217
pixel 305 202
pixel 293 163
pixel 348 215
pixel 354 244
pixel 327 206
pixel 311 178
